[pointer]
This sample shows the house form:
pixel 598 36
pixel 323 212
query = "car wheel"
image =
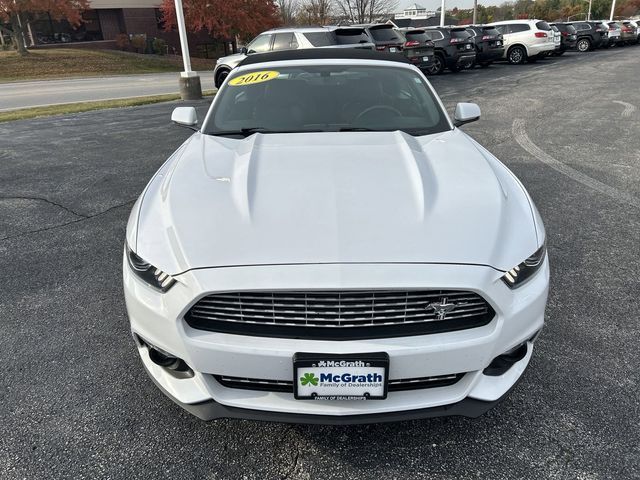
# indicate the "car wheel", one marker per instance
pixel 438 65
pixel 222 74
pixel 517 55
pixel 584 45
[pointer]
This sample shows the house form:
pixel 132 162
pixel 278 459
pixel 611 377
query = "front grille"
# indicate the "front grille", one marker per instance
pixel 340 315
pixel 286 386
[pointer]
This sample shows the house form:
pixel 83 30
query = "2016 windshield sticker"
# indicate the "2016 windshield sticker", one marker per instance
pixel 255 77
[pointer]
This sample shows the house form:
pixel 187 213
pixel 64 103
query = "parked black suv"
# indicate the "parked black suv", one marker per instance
pixel 418 48
pixel 569 37
pixel 590 35
pixel 454 48
pixel 384 36
pixel 489 44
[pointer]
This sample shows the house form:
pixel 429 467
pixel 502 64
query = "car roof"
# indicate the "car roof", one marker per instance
pixel 446 27
pixel 323 54
pixel 295 29
pixel 504 22
pixel 372 25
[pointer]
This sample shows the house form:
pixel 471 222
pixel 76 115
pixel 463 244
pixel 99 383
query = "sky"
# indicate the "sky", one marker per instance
pixel 434 4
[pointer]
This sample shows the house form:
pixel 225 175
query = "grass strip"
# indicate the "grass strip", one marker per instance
pixel 68 108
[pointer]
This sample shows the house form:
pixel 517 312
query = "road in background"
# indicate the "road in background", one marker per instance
pixel 42 93
pixel 76 402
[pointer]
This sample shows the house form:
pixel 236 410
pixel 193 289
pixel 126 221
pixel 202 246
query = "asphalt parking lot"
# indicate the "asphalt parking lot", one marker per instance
pixel 76 402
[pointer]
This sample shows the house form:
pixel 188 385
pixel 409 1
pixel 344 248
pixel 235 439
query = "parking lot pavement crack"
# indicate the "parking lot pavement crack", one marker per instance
pixel 296 456
pixel 81 218
pixel 46 200
pixel 520 135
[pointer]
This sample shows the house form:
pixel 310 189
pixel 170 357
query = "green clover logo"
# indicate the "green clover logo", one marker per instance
pixel 309 378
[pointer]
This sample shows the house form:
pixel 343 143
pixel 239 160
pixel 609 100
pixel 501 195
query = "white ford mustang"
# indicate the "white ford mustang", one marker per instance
pixel 329 235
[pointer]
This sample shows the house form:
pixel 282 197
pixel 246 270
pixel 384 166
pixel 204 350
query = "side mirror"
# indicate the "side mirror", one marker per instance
pixel 244 50
pixel 466 113
pixel 185 116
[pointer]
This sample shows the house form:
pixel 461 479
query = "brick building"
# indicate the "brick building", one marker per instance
pixel 106 19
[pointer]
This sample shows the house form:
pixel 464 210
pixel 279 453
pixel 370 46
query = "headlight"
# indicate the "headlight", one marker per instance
pixel 520 273
pixel 150 274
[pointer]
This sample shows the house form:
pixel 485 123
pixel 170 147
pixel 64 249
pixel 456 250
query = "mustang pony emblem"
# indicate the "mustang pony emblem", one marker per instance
pixel 442 308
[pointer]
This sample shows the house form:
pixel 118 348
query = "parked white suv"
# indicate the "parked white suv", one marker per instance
pixel 525 39
pixel 294 39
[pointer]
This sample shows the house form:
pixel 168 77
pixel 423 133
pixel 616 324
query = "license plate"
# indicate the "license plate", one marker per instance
pixel 392 49
pixel 498 43
pixel 425 59
pixel 340 377
pixel 468 46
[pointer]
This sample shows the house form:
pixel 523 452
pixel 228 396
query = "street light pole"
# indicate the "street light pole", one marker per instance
pixel 475 11
pixel 190 88
pixel 613 7
pixel 589 14
pixel 442 14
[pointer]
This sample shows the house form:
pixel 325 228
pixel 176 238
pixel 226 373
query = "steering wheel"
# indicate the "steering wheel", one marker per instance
pixel 366 111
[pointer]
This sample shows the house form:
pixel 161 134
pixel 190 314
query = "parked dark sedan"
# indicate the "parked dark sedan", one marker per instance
pixel 418 48
pixel 454 48
pixel 569 37
pixel 489 44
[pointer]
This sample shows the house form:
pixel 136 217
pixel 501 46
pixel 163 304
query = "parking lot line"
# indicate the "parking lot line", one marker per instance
pixel 520 135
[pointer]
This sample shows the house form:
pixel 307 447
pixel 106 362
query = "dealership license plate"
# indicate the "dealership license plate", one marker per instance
pixel 340 377
pixel 392 50
pixel 425 59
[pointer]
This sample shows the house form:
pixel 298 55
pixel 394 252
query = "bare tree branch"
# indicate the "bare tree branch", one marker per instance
pixel 366 11
pixel 288 10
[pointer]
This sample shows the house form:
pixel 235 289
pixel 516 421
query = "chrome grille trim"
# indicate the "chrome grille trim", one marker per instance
pixel 286 386
pixel 338 314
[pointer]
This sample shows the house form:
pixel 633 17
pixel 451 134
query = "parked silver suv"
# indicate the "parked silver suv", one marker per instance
pixel 294 39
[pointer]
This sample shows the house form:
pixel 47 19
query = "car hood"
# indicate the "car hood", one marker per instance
pixel 347 197
pixel 231 60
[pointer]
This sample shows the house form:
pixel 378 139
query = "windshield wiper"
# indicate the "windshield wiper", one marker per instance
pixel 361 129
pixel 245 132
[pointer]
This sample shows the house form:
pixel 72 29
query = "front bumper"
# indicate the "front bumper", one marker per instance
pixel 158 320
pixel 212 410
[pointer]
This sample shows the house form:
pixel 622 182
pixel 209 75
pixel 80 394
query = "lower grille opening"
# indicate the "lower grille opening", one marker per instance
pixel 286 386
pixel 504 362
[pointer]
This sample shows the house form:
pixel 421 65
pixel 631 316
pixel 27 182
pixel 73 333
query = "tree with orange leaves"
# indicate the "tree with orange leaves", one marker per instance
pixel 224 18
pixel 15 10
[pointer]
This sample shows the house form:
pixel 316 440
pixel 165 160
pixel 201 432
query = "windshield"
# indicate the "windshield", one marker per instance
pixel 542 25
pixel 320 39
pixel 347 36
pixel 417 36
pixel 460 33
pixel 490 31
pixel 384 34
pixel 328 98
